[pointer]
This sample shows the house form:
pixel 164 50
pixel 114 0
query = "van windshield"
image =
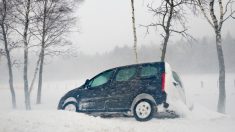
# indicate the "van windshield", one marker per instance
pixel 101 79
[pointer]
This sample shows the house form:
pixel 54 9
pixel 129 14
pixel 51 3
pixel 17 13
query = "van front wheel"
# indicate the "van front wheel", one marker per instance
pixel 143 110
pixel 70 106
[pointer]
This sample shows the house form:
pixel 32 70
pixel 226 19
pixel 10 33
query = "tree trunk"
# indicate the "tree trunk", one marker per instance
pixel 10 77
pixel 25 74
pixel 165 46
pixel 134 31
pixel 222 92
pixel 39 93
pixel 167 30
pixel 9 64
pixel 217 29
pixel 26 87
pixel 35 74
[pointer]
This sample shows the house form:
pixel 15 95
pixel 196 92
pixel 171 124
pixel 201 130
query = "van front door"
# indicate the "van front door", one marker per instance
pixel 95 96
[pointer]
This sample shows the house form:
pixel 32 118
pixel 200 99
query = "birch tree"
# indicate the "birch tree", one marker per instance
pixel 22 20
pixel 53 21
pixel 5 32
pixel 134 31
pixel 170 18
pixel 26 44
pixel 216 17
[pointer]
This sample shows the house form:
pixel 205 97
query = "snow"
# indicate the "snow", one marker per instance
pixel 62 121
pixel 45 117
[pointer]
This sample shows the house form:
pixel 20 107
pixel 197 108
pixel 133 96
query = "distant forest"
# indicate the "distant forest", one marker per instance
pixel 184 57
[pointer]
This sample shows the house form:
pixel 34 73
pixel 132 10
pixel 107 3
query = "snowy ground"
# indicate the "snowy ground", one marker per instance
pixel 45 117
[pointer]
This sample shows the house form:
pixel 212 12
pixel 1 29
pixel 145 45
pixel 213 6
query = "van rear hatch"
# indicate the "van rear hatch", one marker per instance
pixel 161 75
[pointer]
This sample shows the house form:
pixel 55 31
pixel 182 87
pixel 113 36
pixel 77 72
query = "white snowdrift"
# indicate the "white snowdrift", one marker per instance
pixel 198 112
pixel 199 119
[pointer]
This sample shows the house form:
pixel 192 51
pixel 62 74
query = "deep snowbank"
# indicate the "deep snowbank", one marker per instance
pixel 62 121
pixel 198 112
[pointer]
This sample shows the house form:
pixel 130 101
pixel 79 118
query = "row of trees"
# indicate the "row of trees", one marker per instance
pixel 171 18
pixel 37 26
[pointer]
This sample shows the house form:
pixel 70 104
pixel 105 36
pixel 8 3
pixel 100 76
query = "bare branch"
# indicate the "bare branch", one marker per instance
pixel 229 16
pixel 229 3
pixel 204 13
pixel 169 12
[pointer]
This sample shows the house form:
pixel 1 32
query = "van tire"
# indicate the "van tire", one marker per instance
pixel 144 110
pixel 71 106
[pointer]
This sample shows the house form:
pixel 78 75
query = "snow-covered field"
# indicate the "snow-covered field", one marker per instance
pixel 45 117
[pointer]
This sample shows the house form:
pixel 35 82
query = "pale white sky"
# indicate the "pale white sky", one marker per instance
pixel 104 24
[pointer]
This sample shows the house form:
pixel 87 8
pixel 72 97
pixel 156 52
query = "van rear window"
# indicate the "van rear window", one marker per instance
pixel 148 70
pixel 125 74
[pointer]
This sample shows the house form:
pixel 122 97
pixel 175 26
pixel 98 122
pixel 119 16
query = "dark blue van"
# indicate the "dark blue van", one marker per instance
pixel 134 90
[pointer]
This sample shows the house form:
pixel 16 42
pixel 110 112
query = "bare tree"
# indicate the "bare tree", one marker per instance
pixel 5 22
pixel 25 39
pixel 134 30
pixel 53 21
pixel 170 18
pixel 226 11
pixel 22 19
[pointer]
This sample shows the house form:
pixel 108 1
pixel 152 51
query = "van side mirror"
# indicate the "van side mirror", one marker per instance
pixel 87 82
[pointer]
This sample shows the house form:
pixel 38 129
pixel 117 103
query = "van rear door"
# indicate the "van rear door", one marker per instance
pixel 151 77
pixel 121 89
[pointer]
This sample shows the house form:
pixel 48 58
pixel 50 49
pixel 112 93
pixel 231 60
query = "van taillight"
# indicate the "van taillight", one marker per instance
pixel 163 81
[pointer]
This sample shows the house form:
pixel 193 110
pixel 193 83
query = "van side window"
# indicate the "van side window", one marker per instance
pixel 177 78
pixel 125 74
pixel 101 79
pixel 148 70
